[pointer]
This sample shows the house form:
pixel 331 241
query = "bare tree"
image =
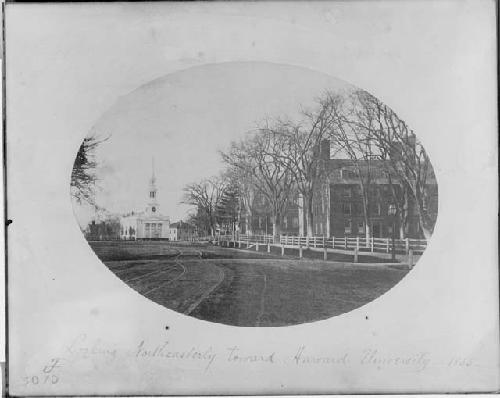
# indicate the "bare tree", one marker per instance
pixel 206 195
pixel 256 157
pixel 304 152
pixel 406 155
pixel 356 143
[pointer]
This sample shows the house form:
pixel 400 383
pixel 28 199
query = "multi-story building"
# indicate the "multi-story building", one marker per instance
pixel 341 208
pixel 349 196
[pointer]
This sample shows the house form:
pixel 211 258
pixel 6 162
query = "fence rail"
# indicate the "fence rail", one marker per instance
pixel 381 245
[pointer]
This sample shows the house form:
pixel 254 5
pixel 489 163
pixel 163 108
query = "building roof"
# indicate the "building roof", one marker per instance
pixel 378 169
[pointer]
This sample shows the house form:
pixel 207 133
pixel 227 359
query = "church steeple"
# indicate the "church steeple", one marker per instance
pixel 153 202
pixel 153 177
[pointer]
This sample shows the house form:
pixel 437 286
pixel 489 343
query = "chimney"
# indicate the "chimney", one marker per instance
pixel 325 149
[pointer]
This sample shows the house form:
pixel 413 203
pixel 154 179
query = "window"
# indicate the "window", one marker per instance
pixel 346 209
pixel 153 209
pixel 346 192
pixel 285 222
pixel 347 227
pixel 361 227
pixel 346 174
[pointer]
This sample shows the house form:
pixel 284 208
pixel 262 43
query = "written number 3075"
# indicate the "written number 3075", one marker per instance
pixel 46 379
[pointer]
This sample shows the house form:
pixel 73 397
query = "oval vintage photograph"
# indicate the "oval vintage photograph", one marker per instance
pixel 254 194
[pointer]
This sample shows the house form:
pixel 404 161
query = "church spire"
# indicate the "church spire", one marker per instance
pixel 153 200
pixel 153 177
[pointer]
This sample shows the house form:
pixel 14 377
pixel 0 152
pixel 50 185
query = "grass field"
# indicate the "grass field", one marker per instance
pixel 244 288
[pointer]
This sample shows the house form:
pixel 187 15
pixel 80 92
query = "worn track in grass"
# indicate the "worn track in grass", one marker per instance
pixel 247 289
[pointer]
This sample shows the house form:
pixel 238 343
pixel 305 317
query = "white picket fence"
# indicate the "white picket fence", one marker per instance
pixel 380 245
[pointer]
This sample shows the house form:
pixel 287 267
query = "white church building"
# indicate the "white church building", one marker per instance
pixel 149 224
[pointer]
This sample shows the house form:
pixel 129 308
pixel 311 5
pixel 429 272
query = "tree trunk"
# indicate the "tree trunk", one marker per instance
pixel 423 226
pixel 422 214
pixel 276 227
pixel 248 223
pixel 402 234
pixel 308 204
pixel 405 214
pixel 366 215
pixel 368 233
pixel 401 205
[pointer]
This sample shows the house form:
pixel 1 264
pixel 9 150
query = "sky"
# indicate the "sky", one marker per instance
pixel 182 120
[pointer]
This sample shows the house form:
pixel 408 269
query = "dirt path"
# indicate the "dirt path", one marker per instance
pixel 255 291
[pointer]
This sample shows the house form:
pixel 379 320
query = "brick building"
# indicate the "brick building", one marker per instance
pixel 338 205
pixel 338 208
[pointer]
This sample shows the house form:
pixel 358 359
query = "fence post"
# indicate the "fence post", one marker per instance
pixel 410 259
pixel 357 242
pixel 325 253
pixel 333 242
pixel 257 246
pixel 268 248
pixel 300 250
pixel 356 255
pixel 345 242
pixel 307 241
pixel 371 244
pixel 324 241
pixel 314 242
pixel 407 244
pixel 239 244
pixel 282 249
pixel 387 245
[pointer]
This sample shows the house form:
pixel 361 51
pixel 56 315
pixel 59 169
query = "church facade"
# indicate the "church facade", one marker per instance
pixel 149 224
